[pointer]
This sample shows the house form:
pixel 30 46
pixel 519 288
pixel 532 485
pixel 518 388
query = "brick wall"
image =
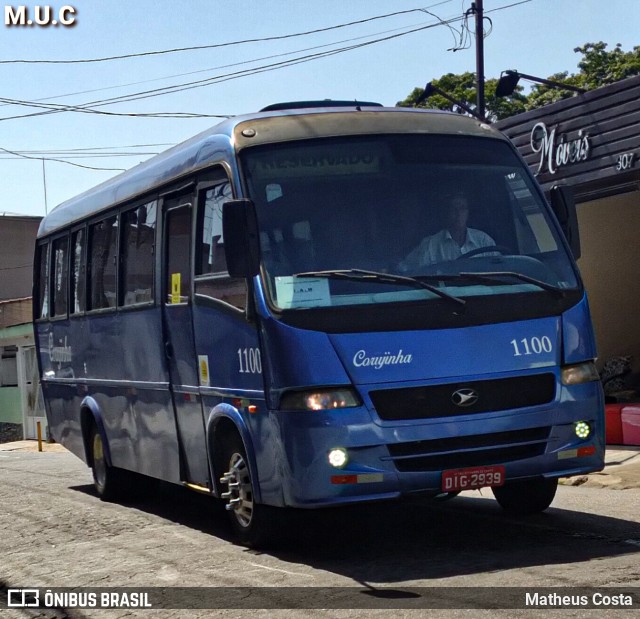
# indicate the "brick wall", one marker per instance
pixel 10 432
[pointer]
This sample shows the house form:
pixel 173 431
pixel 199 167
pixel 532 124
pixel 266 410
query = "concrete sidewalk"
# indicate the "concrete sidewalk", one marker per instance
pixel 31 446
pixel 622 465
pixel 621 471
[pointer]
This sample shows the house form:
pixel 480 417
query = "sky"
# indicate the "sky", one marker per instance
pixel 536 37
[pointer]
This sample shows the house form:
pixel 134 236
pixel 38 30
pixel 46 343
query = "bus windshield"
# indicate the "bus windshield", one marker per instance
pixel 400 218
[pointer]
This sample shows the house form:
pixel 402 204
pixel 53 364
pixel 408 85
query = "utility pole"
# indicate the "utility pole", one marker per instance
pixel 476 8
pixel 44 182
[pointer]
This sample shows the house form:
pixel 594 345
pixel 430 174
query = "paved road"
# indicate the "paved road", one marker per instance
pixel 54 532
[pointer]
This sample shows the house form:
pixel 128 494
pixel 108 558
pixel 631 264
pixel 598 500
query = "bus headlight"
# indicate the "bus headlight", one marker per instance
pixel 319 399
pixel 579 373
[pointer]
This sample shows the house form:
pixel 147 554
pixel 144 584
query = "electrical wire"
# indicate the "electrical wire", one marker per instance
pixel 19 155
pixel 226 66
pixel 454 32
pixel 90 106
pixel 93 148
pixel 218 45
pixel 77 165
pixel 89 110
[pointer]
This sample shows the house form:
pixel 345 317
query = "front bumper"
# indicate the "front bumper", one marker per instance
pixel 388 460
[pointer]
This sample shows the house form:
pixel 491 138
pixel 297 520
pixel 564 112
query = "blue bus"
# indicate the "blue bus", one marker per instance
pixel 280 313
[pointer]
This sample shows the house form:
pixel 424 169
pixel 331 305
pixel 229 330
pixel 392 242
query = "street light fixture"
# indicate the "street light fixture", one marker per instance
pixel 430 89
pixel 509 80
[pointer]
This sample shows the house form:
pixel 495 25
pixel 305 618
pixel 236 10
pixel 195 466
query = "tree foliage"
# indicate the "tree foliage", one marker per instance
pixel 598 67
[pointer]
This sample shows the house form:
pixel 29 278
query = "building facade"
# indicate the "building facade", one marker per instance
pixel 20 400
pixel 592 143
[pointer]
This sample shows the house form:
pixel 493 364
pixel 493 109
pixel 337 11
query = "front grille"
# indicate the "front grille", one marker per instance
pixel 437 400
pixel 464 451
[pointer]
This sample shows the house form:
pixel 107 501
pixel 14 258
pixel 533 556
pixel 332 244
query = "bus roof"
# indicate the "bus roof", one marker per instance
pixel 222 141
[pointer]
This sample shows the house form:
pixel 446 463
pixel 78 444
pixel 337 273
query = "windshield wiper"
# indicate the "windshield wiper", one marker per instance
pixel 490 276
pixel 359 275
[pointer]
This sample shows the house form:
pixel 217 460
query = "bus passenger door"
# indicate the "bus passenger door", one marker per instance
pixel 178 338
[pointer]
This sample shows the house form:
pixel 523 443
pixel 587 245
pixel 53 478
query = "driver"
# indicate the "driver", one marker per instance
pixel 453 241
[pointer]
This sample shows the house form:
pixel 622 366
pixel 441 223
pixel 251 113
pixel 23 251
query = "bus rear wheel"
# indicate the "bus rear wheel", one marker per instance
pixel 529 496
pixel 107 480
pixel 251 522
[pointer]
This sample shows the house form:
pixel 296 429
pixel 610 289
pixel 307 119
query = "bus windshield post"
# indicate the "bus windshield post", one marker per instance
pixel 241 238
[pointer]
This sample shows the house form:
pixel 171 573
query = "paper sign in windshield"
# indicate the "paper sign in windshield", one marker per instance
pixel 302 291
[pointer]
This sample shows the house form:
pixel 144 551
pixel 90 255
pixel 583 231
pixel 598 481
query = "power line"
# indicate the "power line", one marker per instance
pixel 53 108
pixel 98 152
pixel 89 107
pixel 508 6
pixel 218 45
pixel 260 69
pixel 226 66
pixel 94 148
pixel 87 110
pixel 77 165
pixel 85 156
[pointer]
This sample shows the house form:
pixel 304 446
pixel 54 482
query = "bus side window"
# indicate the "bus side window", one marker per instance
pixel 43 281
pixel 78 271
pixel 138 242
pixel 60 257
pixel 178 250
pixel 211 245
pixel 103 238
pixel 212 279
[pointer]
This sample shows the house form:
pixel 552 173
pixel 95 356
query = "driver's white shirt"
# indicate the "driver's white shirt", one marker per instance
pixel 441 246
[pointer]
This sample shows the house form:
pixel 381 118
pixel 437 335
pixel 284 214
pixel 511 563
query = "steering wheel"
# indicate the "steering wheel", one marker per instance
pixel 502 249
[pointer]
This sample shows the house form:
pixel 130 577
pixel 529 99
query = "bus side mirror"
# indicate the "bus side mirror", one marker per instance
pixel 241 240
pixel 564 207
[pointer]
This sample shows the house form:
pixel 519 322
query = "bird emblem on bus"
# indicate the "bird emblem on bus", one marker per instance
pixel 465 397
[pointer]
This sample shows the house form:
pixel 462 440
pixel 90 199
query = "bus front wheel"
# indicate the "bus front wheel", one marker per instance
pixel 529 496
pixel 251 522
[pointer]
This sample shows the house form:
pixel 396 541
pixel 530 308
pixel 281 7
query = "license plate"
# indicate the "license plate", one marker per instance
pixel 454 480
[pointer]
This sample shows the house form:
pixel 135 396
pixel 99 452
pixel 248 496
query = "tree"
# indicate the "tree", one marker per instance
pixel 598 67
pixel 541 94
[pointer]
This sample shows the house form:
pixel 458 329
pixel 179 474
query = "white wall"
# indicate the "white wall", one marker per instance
pixel 610 267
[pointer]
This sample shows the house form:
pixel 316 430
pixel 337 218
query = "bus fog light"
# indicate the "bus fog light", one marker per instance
pixel 338 457
pixel 583 429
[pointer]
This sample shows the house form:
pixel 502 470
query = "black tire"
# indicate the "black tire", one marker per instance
pixel 109 482
pixel 253 524
pixel 529 496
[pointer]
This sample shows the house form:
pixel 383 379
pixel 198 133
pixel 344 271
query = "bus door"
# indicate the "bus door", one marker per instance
pixel 178 336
